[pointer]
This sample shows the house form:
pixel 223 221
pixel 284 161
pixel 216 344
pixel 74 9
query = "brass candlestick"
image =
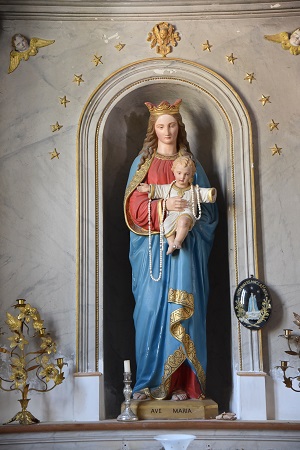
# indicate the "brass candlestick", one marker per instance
pixel 127 415
pixel 30 352
pixel 293 343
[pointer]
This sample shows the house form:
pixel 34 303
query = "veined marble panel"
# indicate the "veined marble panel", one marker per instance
pixel 38 195
pixel 144 440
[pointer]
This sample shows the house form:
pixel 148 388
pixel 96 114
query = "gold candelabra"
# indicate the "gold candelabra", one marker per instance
pixel 30 355
pixel 293 342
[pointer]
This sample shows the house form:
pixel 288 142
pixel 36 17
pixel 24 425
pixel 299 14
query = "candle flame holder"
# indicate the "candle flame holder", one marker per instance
pixel 127 415
pixel 30 353
pixel 293 342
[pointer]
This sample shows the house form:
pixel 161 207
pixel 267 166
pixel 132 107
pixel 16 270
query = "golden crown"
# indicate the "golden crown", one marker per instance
pixel 164 107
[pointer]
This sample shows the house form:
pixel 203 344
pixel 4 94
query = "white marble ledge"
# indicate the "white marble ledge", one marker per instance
pixel 113 435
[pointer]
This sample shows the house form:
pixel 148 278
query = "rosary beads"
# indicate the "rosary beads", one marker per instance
pixel 161 228
pixel 161 243
pixel 198 201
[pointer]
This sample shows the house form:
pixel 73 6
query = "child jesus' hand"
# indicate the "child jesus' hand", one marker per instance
pixel 143 187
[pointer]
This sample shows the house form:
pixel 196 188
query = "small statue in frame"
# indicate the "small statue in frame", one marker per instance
pixel 252 303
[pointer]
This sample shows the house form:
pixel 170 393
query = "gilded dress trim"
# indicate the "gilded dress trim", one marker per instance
pixel 187 350
pixel 138 177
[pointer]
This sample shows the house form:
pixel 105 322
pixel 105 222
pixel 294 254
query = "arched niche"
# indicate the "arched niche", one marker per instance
pixel 110 134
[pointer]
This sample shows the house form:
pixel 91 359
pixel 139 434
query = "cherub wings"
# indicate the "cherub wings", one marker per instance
pixel 154 36
pixel 279 37
pixel 15 58
pixel 34 45
pixel 283 38
pixel 37 42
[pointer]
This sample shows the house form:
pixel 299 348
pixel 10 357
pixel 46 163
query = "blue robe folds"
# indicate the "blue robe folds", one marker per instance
pixel 169 315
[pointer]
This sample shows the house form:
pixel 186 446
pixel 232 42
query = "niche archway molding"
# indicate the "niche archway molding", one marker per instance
pixel 202 90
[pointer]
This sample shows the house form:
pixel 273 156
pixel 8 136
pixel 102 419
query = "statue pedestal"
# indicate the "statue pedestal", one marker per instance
pixel 169 409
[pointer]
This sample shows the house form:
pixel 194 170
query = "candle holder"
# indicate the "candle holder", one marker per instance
pixel 30 353
pixel 293 343
pixel 127 415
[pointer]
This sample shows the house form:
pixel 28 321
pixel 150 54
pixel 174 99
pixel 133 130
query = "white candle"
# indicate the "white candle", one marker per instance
pixel 127 366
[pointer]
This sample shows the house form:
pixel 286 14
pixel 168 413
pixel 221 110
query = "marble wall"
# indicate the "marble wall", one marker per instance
pixel 38 193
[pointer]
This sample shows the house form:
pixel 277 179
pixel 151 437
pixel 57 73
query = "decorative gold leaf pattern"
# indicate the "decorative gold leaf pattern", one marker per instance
pixel 187 349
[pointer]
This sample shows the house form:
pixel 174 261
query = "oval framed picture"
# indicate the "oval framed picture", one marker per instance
pixel 252 303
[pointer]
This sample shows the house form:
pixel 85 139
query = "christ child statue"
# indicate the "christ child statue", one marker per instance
pixel 177 224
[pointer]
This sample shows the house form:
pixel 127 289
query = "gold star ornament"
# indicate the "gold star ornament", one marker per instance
pixel 64 101
pixel 97 60
pixel 119 46
pixel 264 99
pixel 206 46
pixel 249 77
pixel 54 154
pixel 231 58
pixel 56 127
pixel 78 79
pixel 273 125
pixel 276 150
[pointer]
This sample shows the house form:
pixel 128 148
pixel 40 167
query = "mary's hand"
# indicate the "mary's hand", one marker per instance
pixel 176 204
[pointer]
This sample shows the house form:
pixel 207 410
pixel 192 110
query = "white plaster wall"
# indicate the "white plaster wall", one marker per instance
pixel 38 195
